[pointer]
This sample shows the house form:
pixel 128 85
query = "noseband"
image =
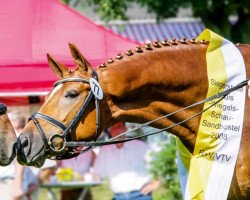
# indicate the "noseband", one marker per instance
pixel 69 152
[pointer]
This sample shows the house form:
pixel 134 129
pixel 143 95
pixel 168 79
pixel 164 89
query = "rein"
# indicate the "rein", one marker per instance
pixel 68 149
pixel 220 95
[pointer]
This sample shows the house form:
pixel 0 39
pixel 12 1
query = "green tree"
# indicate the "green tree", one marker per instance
pixel 163 165
pixel 214 13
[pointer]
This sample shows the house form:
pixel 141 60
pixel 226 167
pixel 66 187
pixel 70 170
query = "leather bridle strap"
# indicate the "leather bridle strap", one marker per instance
pixel 83 80
pixel 3 108
pixel 78 115
pixel 48 143
pixel 41 132
pixel 50 120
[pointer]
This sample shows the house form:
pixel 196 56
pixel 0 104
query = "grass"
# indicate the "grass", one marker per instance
pixel 101 192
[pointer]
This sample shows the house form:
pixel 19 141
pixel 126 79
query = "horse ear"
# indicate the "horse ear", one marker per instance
pixel 80 61
pixel 59 69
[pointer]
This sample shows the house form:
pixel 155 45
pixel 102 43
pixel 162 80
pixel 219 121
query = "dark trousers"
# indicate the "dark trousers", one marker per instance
pixel 74 194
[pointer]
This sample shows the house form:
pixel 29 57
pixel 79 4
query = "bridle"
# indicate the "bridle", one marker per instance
pixel 68 149
pixel 69 152
pixel 3 108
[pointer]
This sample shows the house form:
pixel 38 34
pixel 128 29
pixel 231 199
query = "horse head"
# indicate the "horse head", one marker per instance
pixel 7 138
pixel 42 136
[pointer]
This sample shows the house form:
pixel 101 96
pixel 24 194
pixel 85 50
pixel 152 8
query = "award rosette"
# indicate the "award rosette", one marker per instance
pixel 207 173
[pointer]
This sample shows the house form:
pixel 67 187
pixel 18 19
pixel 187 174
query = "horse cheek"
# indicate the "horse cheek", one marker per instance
pixel 86 129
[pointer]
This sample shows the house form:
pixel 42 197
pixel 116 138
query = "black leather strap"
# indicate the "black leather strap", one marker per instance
pixel 50 120
pixel 79 114
pixel 42 134
pixel 69 152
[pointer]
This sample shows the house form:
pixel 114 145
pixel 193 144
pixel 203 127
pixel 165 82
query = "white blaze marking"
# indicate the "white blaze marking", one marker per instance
pixel 53 92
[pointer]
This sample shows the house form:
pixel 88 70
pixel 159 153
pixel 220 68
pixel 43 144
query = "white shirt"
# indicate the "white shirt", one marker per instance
pixel 7 171
pixel 79 164
pixel 125 166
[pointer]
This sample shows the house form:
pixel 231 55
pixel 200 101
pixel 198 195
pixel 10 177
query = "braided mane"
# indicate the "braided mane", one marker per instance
pixel 151 47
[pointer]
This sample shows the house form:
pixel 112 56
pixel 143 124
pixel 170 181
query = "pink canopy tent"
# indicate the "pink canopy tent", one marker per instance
pixel 29 29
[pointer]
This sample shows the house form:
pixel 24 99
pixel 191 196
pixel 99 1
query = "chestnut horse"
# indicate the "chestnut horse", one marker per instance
pixel 7 138
pixel 138 86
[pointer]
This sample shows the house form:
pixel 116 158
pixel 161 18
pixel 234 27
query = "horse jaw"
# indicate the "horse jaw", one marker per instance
pixel 7 141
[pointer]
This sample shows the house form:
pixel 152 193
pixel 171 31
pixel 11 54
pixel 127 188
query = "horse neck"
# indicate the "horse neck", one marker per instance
pixel 147 85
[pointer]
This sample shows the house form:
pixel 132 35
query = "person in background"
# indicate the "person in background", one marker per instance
pixel 25 181
pixel 7 175
pixel 44 175
pixel 47 171
pixel 28 179
pixel 80 165
pixel 124 165
pixel 18 182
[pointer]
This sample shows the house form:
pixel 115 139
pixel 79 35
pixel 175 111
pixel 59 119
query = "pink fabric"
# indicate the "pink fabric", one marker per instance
pixel 29 29
pixel 80 164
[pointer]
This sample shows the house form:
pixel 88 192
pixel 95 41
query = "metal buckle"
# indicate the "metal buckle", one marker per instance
pixel 50 143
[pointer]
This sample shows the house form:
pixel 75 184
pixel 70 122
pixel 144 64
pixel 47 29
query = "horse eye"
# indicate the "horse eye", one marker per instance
pixel 71 94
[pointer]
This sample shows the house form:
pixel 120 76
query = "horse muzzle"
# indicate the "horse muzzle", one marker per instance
pixel 28 151
pixel 7 154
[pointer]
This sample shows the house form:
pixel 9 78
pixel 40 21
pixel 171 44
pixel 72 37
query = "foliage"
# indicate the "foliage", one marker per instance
pixel 216 16
pixel 66 1
pixel 111 9
pixel 100 192
pixel 214 13
pixel 164 166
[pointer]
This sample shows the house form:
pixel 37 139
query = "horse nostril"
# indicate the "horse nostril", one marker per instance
pixel 25 142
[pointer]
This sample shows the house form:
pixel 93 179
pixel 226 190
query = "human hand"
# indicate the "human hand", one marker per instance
pixel 96 177
pixel 18 193
pixel 150 187
pixel 32 188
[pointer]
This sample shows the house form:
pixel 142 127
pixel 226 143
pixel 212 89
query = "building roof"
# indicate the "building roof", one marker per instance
pixel 149 30
pixel 142 26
